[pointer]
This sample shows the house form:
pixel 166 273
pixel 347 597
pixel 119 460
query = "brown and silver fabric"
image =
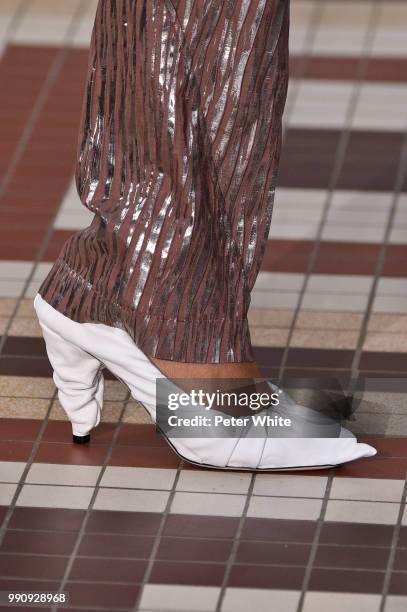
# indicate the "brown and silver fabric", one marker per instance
pixel 179 148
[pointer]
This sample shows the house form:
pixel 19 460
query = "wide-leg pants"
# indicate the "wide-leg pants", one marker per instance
pixel 179 148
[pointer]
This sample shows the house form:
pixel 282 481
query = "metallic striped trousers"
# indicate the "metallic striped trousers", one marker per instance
pixel 178 155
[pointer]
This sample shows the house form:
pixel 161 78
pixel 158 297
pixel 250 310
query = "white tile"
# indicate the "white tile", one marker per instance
pixel 178 598
pixel 284 508
pixel 270 299
pixel 392 286
pixel 388 303
pixel 338 602
pixel 63 474
pixel 270 281
pixel 395 603
pixel 130 500
pixel 339 283
pixel 335 302
pixel 208 504
pixel 293 231
pixel 213 482
pixel 299 199
pixel 6 493
pixel 382 513
pixel 41 270
pixel 48 496
pixel 349 200
pixel 138 478
pixel 261 600
pixel 11 288
pixel 11 471
pixel 32 288
pixel 15 270
pixel 369 489
pixel 342 232
pixel 290 486
pixel 398 235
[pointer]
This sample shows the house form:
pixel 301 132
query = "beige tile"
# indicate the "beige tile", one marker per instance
pixel 50 496
pixel 131 500
pixel 208 504
pixel 396 603
pixel 135 413
pixel 382 513
pixel 138 478
pixel 324 339
pixel 388 323
pixel 368 423
pixel 337 602
pixel 263 317
pixel 263 336
pixel 7 306
pixel 23 408
pixel 6 493
pixel 261 600
pixel 290 486
pixel 62 474
pixel 115 391
pixel 25 326
pixel 4 321
pixel 179 598
pixel 110 413
pixel 26 308
pixel 11 471
pixel 314 319
pixel 367 489
pixel 26 386
pixel 382 403
pixel 284 508
pixel 213 482
pixel 393 342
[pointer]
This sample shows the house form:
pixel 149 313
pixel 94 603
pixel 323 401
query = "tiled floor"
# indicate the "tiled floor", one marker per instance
pixel 123 524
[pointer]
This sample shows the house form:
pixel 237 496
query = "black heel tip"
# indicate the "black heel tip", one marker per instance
pixel 81 439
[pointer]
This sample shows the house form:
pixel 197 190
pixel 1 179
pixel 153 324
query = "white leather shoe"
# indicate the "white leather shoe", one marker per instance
pixel 78 351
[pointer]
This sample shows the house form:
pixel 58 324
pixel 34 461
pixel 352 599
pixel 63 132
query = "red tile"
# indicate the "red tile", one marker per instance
pixel 111 521
pixel 61 431
pixel 398 584
pixel 38 542
pixel 15 451
pixel 139 435
pixel 278 529
pixel 374 467
pixel 108 570
pixel 144 456
pixel 287 255
pixel 358 557
pixel 197 574
pixel 266 577
pixel 52 519
pixel 189 549
pixel 346 258
pixel 358 534
pixel 19 429
pixel 116 545
pixel 110 596
pixel 32 566
pixel 387 447
pixel 346 581
pixel 189 525
pixel 70 453
pixel 273 553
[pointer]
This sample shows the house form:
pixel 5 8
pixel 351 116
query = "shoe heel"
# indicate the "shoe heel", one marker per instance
pixel 81 439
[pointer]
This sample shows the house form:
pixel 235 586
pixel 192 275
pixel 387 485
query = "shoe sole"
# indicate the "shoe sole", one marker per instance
pixel 241 469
